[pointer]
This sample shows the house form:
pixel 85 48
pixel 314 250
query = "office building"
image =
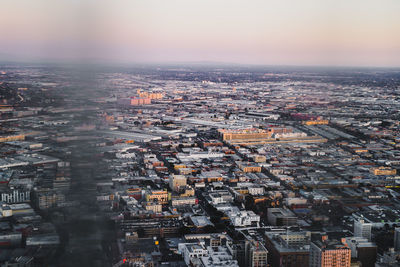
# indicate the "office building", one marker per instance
pixel 362 229
pixel 288 249
pixel 281 217
pixel 329 253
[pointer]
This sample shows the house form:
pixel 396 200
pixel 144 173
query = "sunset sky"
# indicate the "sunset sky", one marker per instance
pixel 284 32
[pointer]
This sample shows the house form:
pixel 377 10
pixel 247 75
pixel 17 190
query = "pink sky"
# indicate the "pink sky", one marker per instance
pixel 288 32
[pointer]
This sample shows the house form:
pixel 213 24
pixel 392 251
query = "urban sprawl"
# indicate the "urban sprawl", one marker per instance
pixel 199 166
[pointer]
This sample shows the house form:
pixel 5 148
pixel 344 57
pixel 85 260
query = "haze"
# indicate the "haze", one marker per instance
pixel 307 32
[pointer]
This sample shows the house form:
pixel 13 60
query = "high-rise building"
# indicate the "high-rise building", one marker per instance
pixel 397 239
pixel 362 229
pixel 329 253
pixel 362 250
pixel 288 249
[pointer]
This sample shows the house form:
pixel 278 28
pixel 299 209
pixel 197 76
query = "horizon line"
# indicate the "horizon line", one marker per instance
pixel 100 62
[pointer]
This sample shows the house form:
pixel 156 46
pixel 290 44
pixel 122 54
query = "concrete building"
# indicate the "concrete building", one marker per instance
pixel 362 229
pixel 249 167
pixel 281 217
pixel 243 134
pixel 176 182
pixel 288 249
pixel 220 196
pixel 134 101
pixel 362 250
pixel 192 250
pixel 329 253
pixel 159 196
pixel 16 196
pixel 244 218
pixel 256 190
pixel 183 201
pixel 49 198
pixel 154 207
pixel 218 257
pixel 258 255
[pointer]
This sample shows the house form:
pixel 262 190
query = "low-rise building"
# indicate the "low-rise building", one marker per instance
pixel 244 218
pixel 281 217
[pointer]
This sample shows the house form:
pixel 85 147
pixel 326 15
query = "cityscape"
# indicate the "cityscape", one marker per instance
pixel 199 133
pixel 200 166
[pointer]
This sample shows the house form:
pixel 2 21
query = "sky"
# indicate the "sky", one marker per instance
pixel 280 32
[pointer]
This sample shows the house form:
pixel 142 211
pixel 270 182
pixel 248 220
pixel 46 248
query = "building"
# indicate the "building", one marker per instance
pixel 21 209
pixel 46 199
pixel 200 221
pixel 9 138
pixel 151 227
pixel 248 253
pixel 397 238
pixel 176 182
pixel 281 217
pixel 133 101
pixel 218 257
pixel 362 229
pixel 184 201
pixel 159 196
pixel 187 191
pixel 16 196
pixel 329 253
pixel 51 239
pixel 256 190
pixel 272 135
pixel 5 210
pixel 150 95
pixel 257 255
pixel 198 156
pixel 154 207
pixel 362 250
pixel 207 250
pixel 211 176
pixel 135 192
pixel 219 197
pixel 288 249
pixel 259 158
pixel 367 254
pixel 11 239
pixel 192 250
pixel 316 122
pixel 389 259
pixel 383 171
pixel 238 250
pixel 248 167
pixel 244 134
pixel 244 218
